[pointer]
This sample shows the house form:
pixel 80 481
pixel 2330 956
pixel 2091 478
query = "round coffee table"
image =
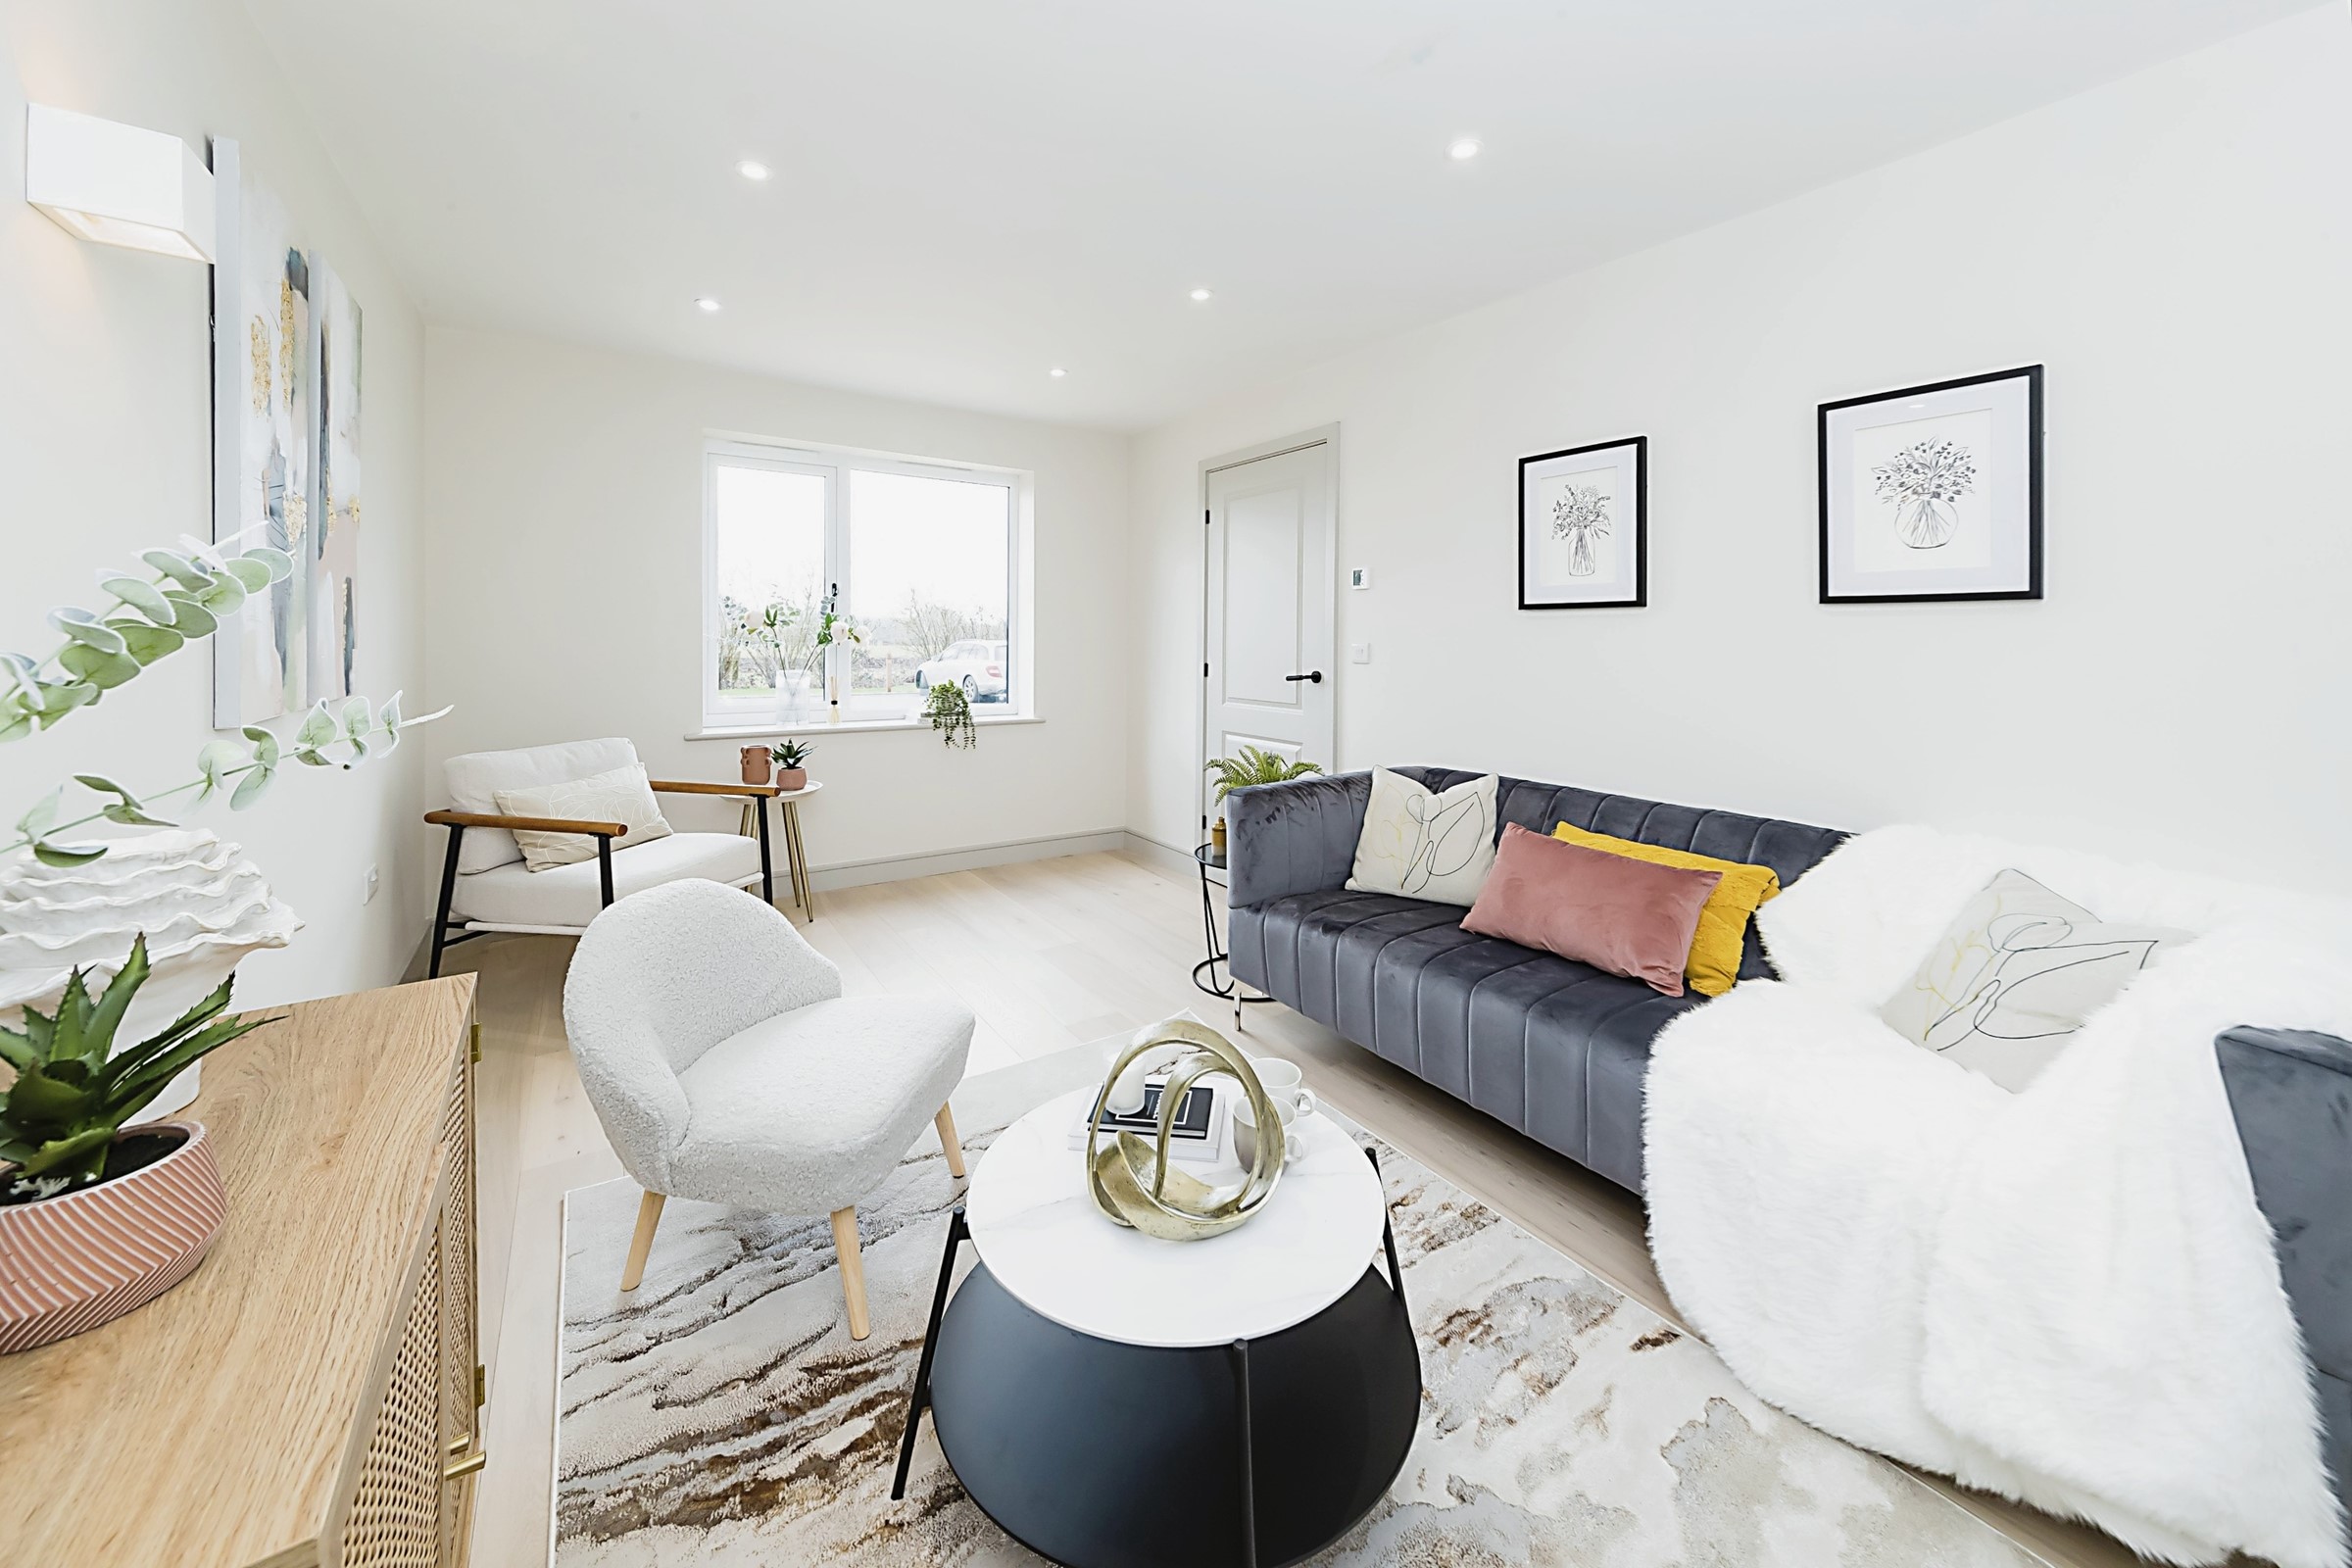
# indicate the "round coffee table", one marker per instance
pixel 1108 1399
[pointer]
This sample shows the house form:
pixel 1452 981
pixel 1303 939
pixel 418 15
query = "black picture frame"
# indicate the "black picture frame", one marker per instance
pixel 1639 446
pixel 2032 375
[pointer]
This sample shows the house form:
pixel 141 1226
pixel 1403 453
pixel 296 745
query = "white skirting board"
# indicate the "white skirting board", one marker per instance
pixel 903 867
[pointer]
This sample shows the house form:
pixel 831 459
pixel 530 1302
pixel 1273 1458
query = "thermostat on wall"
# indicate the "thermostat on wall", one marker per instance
pixel 1359 576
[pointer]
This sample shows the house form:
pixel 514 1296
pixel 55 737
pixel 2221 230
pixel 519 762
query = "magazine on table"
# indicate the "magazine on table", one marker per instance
pixel 1197 1136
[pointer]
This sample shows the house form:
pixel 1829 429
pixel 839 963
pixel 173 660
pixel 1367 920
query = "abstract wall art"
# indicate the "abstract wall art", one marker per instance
pixel 334 566
pixel 1934 492
pixel 286 364
pixel 1584 526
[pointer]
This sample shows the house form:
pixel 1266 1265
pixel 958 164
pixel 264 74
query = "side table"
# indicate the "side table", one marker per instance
pixel 1116 1402
pixel 1211 858
pixel 796 850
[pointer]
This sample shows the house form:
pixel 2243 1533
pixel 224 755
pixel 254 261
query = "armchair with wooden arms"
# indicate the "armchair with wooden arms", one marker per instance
pixel 486 888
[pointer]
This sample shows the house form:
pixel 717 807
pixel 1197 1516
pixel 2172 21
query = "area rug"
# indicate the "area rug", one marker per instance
pixel 721 1416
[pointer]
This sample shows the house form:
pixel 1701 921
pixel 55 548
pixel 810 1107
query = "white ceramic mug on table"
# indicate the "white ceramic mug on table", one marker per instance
pixel 1285 1085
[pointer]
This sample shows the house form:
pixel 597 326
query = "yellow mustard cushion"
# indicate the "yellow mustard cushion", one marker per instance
pixel 1715 948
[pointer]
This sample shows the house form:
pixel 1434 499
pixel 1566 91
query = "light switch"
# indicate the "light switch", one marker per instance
pixel 1360 653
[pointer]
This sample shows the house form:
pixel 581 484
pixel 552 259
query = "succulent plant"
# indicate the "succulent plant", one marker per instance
pixel 1255 766
pixel 59 1117
pixel 791 754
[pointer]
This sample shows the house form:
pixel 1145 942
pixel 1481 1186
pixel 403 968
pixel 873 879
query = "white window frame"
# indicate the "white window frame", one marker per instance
pixel 834 465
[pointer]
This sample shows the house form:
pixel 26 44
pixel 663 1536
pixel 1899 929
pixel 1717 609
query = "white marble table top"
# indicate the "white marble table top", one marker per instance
pixel 1041 1237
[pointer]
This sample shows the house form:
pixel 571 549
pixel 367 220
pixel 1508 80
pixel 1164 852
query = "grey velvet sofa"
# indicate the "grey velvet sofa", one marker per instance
pixel 1559 1050
pixel 1553 1047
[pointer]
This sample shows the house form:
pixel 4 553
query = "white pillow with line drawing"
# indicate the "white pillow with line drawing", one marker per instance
pixel 1424 844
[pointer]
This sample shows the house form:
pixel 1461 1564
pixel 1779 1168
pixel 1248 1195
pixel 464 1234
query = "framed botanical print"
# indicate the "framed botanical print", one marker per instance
pixel 1934 492
pixel 1584 526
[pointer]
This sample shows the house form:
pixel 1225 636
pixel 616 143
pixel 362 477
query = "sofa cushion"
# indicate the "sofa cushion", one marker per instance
pixel 1619 914
pixel 566 898
pixel 475 779
pixel 1553 1047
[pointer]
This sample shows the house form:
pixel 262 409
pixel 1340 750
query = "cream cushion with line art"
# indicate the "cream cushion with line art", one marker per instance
pixel 1422 844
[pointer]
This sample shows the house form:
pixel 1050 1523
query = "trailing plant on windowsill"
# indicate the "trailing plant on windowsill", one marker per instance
pixel 71 1095
pixel 950 711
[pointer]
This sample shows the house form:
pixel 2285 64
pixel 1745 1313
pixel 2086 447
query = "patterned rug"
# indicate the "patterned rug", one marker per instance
pixel 721 1417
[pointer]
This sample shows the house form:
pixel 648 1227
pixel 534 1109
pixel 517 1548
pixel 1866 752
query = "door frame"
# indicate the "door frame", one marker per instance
pixel 1326 436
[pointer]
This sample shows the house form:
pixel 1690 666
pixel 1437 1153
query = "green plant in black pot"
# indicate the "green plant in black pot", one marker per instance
pixel 60 1117
pixel 950 711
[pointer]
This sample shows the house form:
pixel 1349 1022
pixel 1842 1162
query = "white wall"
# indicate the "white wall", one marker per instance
pixel 566 487
pixel 105 421
pixel 2176 247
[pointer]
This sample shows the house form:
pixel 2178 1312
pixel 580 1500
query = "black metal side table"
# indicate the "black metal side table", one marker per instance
pixel 1211 858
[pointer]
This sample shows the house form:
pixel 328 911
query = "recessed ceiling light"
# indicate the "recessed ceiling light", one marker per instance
pixel 752 169
pixel 1462 149
pixel 705 303
pixel 1200 296
pixel 1057 372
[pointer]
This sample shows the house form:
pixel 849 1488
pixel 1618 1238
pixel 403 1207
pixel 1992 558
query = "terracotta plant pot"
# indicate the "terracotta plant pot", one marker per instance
pixel 756 764
pixel 792 778
pixel 70 1263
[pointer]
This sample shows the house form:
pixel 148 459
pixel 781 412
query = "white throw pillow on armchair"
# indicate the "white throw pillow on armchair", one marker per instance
pixel 476 778
pixel 624 796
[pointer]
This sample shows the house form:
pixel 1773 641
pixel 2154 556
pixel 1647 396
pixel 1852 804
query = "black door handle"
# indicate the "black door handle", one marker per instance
pixel 1314 675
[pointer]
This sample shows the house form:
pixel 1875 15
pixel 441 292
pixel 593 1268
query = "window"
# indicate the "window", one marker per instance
pixel 914 562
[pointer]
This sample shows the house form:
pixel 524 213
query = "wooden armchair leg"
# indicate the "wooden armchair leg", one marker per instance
pixel 952 1147
pixel 649 1216
pixel 853 1270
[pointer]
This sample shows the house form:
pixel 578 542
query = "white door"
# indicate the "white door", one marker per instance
pixel 1267 668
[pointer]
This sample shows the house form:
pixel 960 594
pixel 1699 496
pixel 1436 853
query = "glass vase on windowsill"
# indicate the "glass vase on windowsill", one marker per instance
pixel 796 698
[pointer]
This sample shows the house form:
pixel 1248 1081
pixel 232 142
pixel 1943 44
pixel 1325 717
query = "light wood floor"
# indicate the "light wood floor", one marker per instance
pixel 1049 954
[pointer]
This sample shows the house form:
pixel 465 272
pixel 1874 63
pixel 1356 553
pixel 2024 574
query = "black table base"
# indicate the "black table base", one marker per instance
pixel 1095 1453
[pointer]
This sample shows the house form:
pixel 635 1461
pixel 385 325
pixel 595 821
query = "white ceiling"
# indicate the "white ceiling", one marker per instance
pixel 967 193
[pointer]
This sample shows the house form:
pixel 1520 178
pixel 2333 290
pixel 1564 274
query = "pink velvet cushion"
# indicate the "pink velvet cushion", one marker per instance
pixel 1620 916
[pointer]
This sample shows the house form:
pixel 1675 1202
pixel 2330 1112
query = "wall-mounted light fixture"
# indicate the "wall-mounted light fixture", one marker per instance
pixel 118 184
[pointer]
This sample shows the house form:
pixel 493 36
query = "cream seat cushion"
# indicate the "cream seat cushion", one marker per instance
pixel 568 897
pixel 624 796
pixel 808 1111
pixel 476 778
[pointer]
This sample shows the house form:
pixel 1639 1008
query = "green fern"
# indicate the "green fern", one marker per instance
pixel 1256 766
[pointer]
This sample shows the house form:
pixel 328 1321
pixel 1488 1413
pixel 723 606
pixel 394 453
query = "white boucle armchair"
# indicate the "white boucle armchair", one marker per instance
pixel 726 1065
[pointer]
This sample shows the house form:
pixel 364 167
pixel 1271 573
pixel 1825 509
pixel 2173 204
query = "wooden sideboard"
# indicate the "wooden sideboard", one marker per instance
pixel 311 1394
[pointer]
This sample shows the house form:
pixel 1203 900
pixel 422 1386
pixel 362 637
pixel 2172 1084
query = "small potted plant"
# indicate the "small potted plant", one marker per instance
pixel 755 762
pixel 792 764
pixel 97 1219
pixel 1255 766
pixel 950 711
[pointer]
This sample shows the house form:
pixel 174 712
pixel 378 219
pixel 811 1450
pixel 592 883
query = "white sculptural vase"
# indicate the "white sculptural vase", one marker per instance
pixel 202 905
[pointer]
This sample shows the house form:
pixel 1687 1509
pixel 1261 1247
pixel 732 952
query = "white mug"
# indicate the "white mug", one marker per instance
pixel 1293 1099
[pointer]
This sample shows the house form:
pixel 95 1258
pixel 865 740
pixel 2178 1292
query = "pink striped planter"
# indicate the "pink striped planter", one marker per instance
pixel 70 1263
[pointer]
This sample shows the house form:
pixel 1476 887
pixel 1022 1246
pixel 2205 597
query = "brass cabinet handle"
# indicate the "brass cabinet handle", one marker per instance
pixel 465 1467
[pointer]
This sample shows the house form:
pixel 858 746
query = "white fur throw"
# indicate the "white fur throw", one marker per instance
pixel 2065 1295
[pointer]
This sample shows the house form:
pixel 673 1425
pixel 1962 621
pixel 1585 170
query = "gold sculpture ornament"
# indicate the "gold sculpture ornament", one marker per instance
pixel 1132 1181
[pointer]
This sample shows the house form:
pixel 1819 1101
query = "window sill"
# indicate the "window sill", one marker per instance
pixel 764 732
